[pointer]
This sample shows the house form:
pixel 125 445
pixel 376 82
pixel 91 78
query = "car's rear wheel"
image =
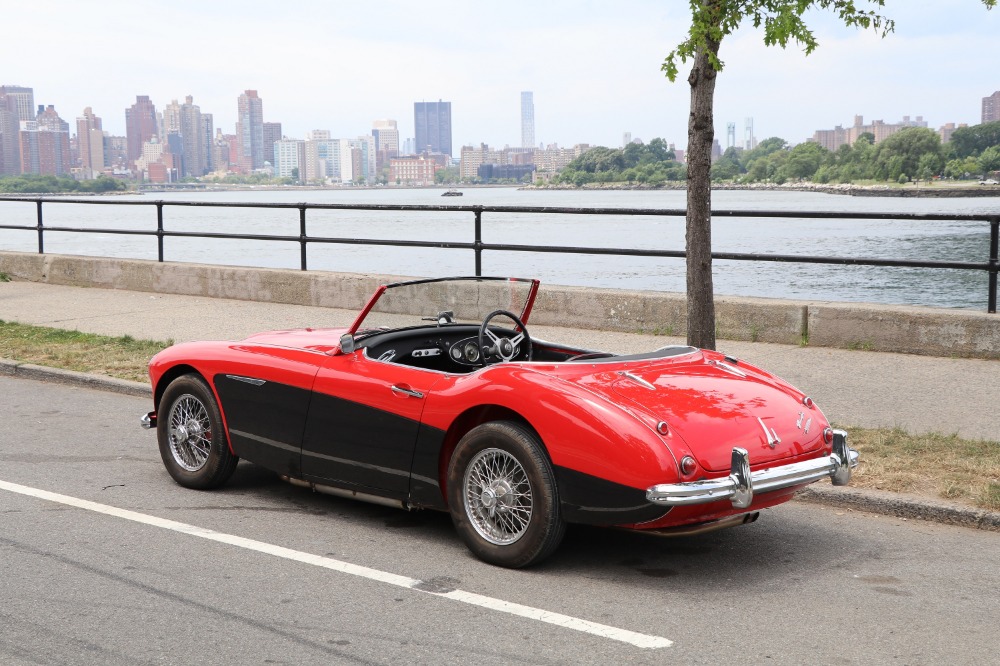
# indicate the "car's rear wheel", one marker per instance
pixel 503 497
pixel 189 430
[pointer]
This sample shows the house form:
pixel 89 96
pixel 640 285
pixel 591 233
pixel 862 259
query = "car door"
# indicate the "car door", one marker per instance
pixel 363 421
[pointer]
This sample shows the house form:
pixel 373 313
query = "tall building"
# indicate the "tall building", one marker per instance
pixel 881 130
pixel 290 159
pixel 322 156
pixel 90 144
pixel 207 141
pixel 44 144
pixel 272 134
pixel 386 136
pixel 432 122
pixel 991 108
pixel 527 120
pixel 17 104
pixel 250 132
pixel 140 126
pixel 192 139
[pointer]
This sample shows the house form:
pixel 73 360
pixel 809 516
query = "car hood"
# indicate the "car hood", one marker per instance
pixel 323 340
pixel 713 405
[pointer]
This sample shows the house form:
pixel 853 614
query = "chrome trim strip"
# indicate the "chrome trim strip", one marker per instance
pixel 264 440
pixel 247 380
pixel 638 380
pixel 741 484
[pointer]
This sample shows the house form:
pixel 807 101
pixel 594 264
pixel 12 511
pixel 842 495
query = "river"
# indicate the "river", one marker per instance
pixel 953 240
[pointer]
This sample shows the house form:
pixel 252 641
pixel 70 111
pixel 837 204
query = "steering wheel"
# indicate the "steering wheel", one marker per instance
pixel 505 348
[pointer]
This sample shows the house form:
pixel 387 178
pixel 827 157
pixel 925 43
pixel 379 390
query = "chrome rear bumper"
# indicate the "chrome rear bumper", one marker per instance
pixel 741 484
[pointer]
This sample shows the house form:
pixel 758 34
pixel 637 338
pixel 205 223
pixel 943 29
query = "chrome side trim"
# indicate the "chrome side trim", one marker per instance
pixel 741 484
pixel 247 380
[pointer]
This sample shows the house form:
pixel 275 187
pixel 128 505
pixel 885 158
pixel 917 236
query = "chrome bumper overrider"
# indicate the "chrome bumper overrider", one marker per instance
pixel 741 484
pixel 148 421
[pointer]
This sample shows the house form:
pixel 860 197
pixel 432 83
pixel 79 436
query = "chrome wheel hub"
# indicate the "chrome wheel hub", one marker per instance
pixel 497 496
pixel 190 433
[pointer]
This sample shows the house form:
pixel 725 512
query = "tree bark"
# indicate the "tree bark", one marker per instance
pixel 698 234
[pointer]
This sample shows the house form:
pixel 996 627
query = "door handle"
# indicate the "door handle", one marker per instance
pixel 402 390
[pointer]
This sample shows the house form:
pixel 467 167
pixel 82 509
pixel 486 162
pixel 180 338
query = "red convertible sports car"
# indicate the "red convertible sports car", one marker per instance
pixel 437 397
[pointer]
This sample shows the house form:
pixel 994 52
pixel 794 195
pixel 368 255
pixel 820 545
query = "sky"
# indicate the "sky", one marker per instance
pixel 593 66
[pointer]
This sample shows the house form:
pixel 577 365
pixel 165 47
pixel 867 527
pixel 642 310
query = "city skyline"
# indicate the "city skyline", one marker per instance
pixel 594 70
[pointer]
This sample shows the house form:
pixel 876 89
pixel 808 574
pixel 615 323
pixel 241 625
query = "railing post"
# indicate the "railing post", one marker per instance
pixel 479 241
pixel 991 305
pixel 159 231
pixel 302 236
pixel 41 235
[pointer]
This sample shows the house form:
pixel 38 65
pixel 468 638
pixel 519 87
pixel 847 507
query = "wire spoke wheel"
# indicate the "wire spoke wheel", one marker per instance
pixel 497 496
pixel 190 433
pixel 191 437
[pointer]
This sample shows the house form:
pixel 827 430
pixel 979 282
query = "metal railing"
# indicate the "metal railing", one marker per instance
pixel 991 265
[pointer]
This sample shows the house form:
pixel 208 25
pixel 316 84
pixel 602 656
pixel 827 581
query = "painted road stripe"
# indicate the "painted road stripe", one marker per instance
pixel 604 631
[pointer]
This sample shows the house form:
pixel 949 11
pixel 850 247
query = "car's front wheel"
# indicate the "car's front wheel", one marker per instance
pixel 189 430
pixel 503 497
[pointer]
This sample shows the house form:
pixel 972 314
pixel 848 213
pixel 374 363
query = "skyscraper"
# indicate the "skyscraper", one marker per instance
pixel 432 122
pixel 991 108
pixel 386 142
pixel 45 144
pixel 192 139
pixel 90 143
pixel 250 131
pixel 140 126
pixel 272 135
pixel 17 104
pixel 527 120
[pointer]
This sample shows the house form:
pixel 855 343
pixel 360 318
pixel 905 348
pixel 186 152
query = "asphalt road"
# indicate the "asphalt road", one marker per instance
pixel 261 572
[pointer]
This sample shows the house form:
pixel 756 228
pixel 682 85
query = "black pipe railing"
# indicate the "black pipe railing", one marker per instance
pixel 991 266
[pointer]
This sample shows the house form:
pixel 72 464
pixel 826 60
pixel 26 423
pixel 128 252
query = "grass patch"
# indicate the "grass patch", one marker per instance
pixel 943 466
pixel 123 357
pixel 4 277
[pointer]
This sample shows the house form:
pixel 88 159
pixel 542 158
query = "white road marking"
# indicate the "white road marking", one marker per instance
pixel 604 631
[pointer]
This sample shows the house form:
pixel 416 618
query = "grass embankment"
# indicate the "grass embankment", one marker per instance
pixel 123 357
pixel 940 466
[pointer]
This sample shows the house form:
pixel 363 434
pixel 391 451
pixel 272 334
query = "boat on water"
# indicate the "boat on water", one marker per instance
pixel 452 193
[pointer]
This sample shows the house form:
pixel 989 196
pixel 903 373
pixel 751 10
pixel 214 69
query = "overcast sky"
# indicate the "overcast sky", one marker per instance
pixel 594 67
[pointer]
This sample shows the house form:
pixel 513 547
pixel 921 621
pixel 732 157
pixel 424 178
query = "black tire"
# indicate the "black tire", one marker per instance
pixel 503 497
pixel 192 440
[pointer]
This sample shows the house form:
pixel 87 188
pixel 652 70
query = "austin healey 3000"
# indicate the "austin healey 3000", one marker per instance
pixel 437 397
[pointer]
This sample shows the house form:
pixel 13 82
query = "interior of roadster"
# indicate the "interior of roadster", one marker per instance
pixel 462 347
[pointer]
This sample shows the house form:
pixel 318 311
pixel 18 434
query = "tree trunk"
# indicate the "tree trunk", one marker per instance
pixel 698 234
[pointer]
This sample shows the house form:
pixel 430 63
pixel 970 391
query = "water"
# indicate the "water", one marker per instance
pixel 955 241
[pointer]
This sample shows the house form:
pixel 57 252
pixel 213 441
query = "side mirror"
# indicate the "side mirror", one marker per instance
pixel 347 343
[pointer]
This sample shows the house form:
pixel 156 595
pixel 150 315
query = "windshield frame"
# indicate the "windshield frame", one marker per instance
pixel 380 292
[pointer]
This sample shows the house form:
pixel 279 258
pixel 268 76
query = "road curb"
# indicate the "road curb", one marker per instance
pixel 872 501
pixel 72 378
pixel 901 506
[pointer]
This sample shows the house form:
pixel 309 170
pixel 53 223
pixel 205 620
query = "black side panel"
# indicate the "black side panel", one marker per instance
pixel 595 501
pixel 349 442
pixel 265 421
pixel 425 489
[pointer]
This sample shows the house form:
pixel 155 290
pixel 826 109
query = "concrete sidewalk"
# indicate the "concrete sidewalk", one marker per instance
pixel 854 388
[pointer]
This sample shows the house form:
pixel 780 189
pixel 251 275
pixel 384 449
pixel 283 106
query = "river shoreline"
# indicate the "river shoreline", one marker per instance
pixel 915 191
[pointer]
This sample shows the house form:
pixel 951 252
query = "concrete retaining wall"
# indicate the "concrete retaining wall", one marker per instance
pixel 915 330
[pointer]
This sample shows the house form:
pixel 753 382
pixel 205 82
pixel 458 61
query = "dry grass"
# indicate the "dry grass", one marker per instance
pixel 943 466
pixel 122 357
pixel 965 471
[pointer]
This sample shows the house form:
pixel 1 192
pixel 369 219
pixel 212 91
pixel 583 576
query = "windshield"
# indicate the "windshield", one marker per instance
pixel 445 300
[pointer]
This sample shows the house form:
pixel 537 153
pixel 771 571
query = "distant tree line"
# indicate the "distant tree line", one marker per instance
pixel 653 163
pixel 913 153
pixel 32 184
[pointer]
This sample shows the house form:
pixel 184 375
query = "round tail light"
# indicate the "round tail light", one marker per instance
pixel 807 401
pixel 688 465
pixel 828 435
